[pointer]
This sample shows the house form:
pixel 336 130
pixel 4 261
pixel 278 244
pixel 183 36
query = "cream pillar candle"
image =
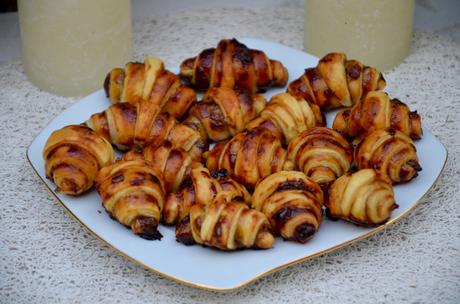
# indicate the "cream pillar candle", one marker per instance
pixel 69 45
pixel 376 32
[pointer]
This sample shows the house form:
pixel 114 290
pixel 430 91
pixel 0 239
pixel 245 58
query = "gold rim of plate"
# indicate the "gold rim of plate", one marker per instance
pixel 259 276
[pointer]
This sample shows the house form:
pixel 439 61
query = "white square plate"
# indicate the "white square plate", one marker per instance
pixel 213 269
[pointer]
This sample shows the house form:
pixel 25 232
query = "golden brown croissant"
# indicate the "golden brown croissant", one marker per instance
pixel 249 156
pixel 201 188
pixel 392 153
pixel 292 203
pixel 322 154
pixel 224 112
pixel 377 111
pixel 228 224
pixel 132 192
pixel 336 82
pixel 287 116
pixel 149 81
pixel 364 198
pixel 73 155
pixel 233 65
pixel 138 125
pixel 174 163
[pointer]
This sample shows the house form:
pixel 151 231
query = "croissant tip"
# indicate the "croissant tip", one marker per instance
pixel 186 240
pixel 330 216
pixel 151 236
pixel 146 228
pixel 265 240
pixel 187 64
pixel 107 85
pixel 303 233
pixel 414 164
pixel 183 232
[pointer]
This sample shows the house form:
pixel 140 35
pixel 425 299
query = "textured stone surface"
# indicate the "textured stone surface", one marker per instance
pixel 46 257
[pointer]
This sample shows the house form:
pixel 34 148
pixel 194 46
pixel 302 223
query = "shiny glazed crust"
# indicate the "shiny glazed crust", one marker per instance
pixel 228 224
pixel 377 111
pixel 287 116
pixel 292 203
pixel 149 81
pixel 392 153
pixel 174 163
pixel 224 112
pixel 248 156
pixel 322 154
pixel 138 125
pixel 365 198
pixel 73 155
pixel 201 187
pixel 336 82
pixel 132 192
pixel 233 65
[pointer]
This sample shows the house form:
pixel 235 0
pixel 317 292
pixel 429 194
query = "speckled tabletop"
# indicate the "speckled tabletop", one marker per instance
pixel 46 257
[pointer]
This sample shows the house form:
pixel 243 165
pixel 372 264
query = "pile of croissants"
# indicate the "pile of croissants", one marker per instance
pixel 273 167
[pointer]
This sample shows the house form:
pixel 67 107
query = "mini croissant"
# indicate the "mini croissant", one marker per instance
pixel 365 198
pixel 138 125
pixel 224 112
pixel 336 82
pixel 228 224
pixel 292 203
pixel 174 163
pixel 233 65
pixel 392 153
pixel 149 81
pixel 286 116
pixel 248 156
pixel 132 192
pixel 201 188
pixel 73 155
pixel 378 111
pixel 322 154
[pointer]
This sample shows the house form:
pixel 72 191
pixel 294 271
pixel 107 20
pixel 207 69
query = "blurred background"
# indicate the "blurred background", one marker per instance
pixel 430 15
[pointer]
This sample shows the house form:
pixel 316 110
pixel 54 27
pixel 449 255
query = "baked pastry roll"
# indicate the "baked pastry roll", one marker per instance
pixel 365 198
pixel 336 82
pixel 132 192
pixel 224 112
pixel 292 203
pixel 138 125
pixel 286 116
pixel 322 154
pixel 73 155
pixel 174 163
pixel 248 156
pixel 228 224
pixel 391 152
pixel 149 81
pixel 378 111
pixel 233 65
pixel 200 188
